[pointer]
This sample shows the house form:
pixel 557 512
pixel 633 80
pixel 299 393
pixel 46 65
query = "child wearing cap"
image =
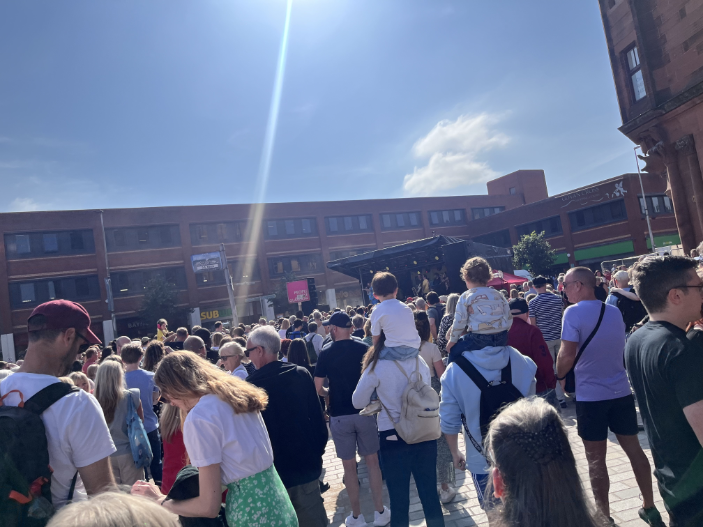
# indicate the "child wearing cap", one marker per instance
pixel 392 327
pixel 482 313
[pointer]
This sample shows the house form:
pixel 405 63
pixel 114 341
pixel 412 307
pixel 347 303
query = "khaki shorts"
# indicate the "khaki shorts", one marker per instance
pixel 348 431
pixel 124 470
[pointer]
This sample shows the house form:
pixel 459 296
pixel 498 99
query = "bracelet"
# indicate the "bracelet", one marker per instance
pixel 562 378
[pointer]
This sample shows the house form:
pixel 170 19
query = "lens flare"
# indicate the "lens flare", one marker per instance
pixel 256 212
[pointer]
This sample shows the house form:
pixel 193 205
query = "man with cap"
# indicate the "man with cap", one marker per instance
pixel 79 441
pixel 528 340
pixel 545 312
pixel 341 364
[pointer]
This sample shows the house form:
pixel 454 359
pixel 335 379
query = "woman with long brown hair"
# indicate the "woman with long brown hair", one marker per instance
pixel 226 439
pixel 534 470
pixel 153 354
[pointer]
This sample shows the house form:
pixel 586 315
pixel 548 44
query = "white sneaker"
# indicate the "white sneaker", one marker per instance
pixel 355 522
pixel 446 496
pixel 383 518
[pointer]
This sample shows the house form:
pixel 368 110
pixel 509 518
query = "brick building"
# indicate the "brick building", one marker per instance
pixel 66 254
pixel 588 225
pixel 656 53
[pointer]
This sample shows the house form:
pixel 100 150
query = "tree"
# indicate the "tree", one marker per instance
pixel 161 301
pixel 280 303
pixel 534 253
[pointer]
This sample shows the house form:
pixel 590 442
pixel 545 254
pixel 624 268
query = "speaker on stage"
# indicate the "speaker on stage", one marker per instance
pixel 455 255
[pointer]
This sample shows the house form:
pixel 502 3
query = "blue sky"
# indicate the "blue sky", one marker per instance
pixel 134 103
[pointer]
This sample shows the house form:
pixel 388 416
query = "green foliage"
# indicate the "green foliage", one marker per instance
pixel 534 253
pixel 160 301
pixel 280 303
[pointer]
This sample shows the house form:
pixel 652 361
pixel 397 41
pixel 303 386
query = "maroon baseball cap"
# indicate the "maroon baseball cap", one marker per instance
pixel 64 314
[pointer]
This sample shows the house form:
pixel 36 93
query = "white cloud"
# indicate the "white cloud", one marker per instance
pixel 452 148
pixel 23 205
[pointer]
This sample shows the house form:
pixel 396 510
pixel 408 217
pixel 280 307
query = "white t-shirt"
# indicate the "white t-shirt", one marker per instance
pixel 241 372
pixel 316 341
pixel 240 443
pixel 397 322
pixel 430 353
pixel 282 333
pixel 76 432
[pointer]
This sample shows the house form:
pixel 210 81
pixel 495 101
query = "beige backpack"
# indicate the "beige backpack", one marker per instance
pixel 419 410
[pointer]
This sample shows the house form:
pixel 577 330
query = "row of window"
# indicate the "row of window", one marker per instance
pixel 127 283
pixel 656 205
pixel 550 227
pixel 41 244
pixel 242 271
pixel 75 288
pixel 135 238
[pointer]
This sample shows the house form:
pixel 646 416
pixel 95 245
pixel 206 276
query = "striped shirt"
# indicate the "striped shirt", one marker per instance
pixel 547 309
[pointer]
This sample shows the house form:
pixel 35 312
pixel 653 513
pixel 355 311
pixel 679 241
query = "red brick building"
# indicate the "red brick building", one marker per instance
pixel 656 53
pixel 66 254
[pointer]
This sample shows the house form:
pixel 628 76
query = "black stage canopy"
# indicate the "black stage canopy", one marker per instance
pixel 423 254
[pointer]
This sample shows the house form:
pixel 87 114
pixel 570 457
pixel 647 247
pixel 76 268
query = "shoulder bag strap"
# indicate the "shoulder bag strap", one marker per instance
pixel 72 488
pixel 590 337
pixel 45 397
pixel 506 374
pixel 470 370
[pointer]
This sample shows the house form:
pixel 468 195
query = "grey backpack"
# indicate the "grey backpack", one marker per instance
pixel 419 410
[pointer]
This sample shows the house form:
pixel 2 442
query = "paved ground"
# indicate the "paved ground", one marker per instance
pixel 464 510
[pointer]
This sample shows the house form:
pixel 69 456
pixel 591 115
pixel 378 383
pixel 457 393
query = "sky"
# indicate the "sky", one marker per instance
pixel 109 104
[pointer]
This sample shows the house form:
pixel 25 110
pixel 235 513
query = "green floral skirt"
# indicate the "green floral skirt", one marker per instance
pixel 260 499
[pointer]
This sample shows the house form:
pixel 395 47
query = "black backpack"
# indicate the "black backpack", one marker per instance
pixel 494 397
pixel 632 311
pixel 312 354
pixel 25 474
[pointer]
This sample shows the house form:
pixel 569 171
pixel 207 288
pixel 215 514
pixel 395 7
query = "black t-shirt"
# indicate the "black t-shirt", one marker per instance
pixel 341 364
pixel 666 371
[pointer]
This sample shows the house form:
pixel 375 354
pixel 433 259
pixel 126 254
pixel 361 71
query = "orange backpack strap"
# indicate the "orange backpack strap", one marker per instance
pixel 21 405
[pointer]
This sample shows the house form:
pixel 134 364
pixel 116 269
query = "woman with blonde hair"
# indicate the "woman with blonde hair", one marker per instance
pixel 113 509
pixel 81 380
pixel 231 357
pixel 175 456
pixel 216 341
pixel 111 392
pixel 285 325
pixel 226 439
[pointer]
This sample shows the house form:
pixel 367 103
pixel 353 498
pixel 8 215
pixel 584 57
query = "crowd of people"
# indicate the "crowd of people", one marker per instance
pixel 153 430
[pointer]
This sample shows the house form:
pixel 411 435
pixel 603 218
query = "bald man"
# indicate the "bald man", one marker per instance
pixel 122 342
pixel 604 400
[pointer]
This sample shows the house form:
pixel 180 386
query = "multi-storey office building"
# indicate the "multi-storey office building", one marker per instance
pixel 68 254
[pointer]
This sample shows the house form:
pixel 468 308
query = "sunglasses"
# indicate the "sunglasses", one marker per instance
pixel 83 347
pixel 246 351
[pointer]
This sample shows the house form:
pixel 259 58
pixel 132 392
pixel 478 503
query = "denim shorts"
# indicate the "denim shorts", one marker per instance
pixel 477 341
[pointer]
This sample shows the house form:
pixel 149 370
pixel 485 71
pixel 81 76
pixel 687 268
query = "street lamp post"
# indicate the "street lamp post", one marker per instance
pixel 644 200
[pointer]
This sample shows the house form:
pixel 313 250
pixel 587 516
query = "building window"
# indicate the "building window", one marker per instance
pixel 23 245
pixel 27 292
pixel 119 237
pixel 143 236
pixel 51 243
pixel 497 239
pixel 272 229
pixel 165 235
pixel 445 216
pixel 635 72
pixel 599 215
pixel 434 218
pixel 549 226
pixel 400 220
pixel 348 224
pixel 657 205
pixel 304 263
pixel 307 226
pixel 513 190
pixel 290 227
pixel 76 240
pixel 202 232
pixel 221 232
pixel 485 212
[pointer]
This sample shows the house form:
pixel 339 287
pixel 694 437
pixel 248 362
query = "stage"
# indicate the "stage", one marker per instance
pixel 439 259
